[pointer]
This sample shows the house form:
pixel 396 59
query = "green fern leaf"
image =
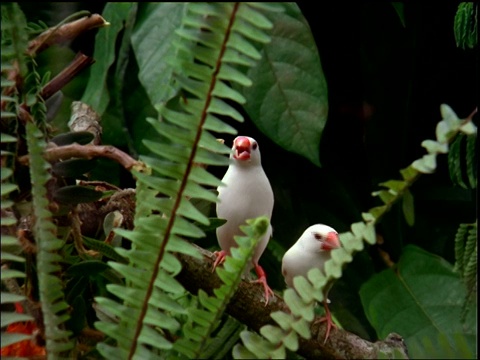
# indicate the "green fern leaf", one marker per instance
pixel 455 162
pixel 182 142
pixel 50 286
pixel 466 25
pixel 8 245
pixel 302 300
pixel 205 322
pixel 14 37
pixel 471 157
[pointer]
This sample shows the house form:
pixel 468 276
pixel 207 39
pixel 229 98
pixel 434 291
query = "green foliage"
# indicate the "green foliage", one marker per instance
pixel 466 262
pixel 302 300
pixel 199 70
pixel 276 340
pixel 204 319
pixel 462 161
pixel 164 212
pixel 151 49
pixel 10 252
pixel 289 75
pixel 407 300
pixel 48 259
pixel 97 92
pixel 14 40
pixel 465 26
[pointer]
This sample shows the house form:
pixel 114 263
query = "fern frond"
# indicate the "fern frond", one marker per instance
pixel 471 161
pixel 466 261
pixel 301 301
pixel 205 319
pixel 462 161
pixel 48 259
pixel 466 25
pixel 14 37
pixel 10 254
pixel 165 215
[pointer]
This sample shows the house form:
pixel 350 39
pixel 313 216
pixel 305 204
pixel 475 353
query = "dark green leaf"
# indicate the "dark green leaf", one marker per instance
pixel 76 194
pixel 79 137
pixel 466 25
pixel 422 295
pixel 288 100
pixel 96 93
pixel 471 163
pixel 151 48
pixel 87 268
pixel 73 168
pixel 75 287
pixel 455 161
pixel 77 320
pixel 408 208
pixel 399 9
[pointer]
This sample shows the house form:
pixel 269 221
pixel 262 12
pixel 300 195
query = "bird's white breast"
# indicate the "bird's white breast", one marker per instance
pixel 298 261
pixel 247 195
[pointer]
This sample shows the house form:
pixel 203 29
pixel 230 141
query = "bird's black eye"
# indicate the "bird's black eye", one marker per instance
pixel 254 146
pixel 317 236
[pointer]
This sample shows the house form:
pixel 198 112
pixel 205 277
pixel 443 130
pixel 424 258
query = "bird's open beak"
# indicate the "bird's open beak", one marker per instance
pixel 241 148
pixel 331 241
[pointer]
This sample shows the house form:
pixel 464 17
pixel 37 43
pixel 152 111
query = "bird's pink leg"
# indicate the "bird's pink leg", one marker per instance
pixel 328 319
pixel 262 278
pixel 220 258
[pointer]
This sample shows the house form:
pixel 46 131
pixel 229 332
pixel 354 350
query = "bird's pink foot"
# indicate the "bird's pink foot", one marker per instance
pixel 262 279
pixel 220 258
pixel 328 319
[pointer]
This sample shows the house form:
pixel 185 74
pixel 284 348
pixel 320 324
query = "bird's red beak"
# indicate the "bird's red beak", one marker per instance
pixel 331 242
pixel 242 148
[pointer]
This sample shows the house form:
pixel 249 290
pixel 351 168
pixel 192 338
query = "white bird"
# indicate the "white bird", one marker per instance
pixel 310 251
pixel 246 193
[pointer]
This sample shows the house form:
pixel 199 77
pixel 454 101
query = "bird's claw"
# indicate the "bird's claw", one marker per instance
pixel 268 291
pixel 328 319
pixel 330 325
pixel 262 278
pixel 220 258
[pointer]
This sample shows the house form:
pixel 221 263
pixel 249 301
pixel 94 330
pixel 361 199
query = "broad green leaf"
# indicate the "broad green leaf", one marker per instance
pixel 152 41
pixel 288 100
pixel 421 298
pixel 96 92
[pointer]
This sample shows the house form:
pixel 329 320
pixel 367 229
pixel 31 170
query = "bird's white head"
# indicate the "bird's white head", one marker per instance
pixel 319 237
pixel 245 150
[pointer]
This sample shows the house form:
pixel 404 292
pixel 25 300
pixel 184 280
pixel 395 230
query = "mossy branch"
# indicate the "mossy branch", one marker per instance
pixel 247 307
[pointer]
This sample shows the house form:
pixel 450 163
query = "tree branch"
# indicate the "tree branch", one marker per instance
pixel 89 152
pixel 79 63
pixel 247 306
pixel 64 33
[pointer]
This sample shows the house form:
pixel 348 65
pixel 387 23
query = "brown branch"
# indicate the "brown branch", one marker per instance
pixel 247 306
pixel 89 152
pixel 79 63
pixel 64 33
